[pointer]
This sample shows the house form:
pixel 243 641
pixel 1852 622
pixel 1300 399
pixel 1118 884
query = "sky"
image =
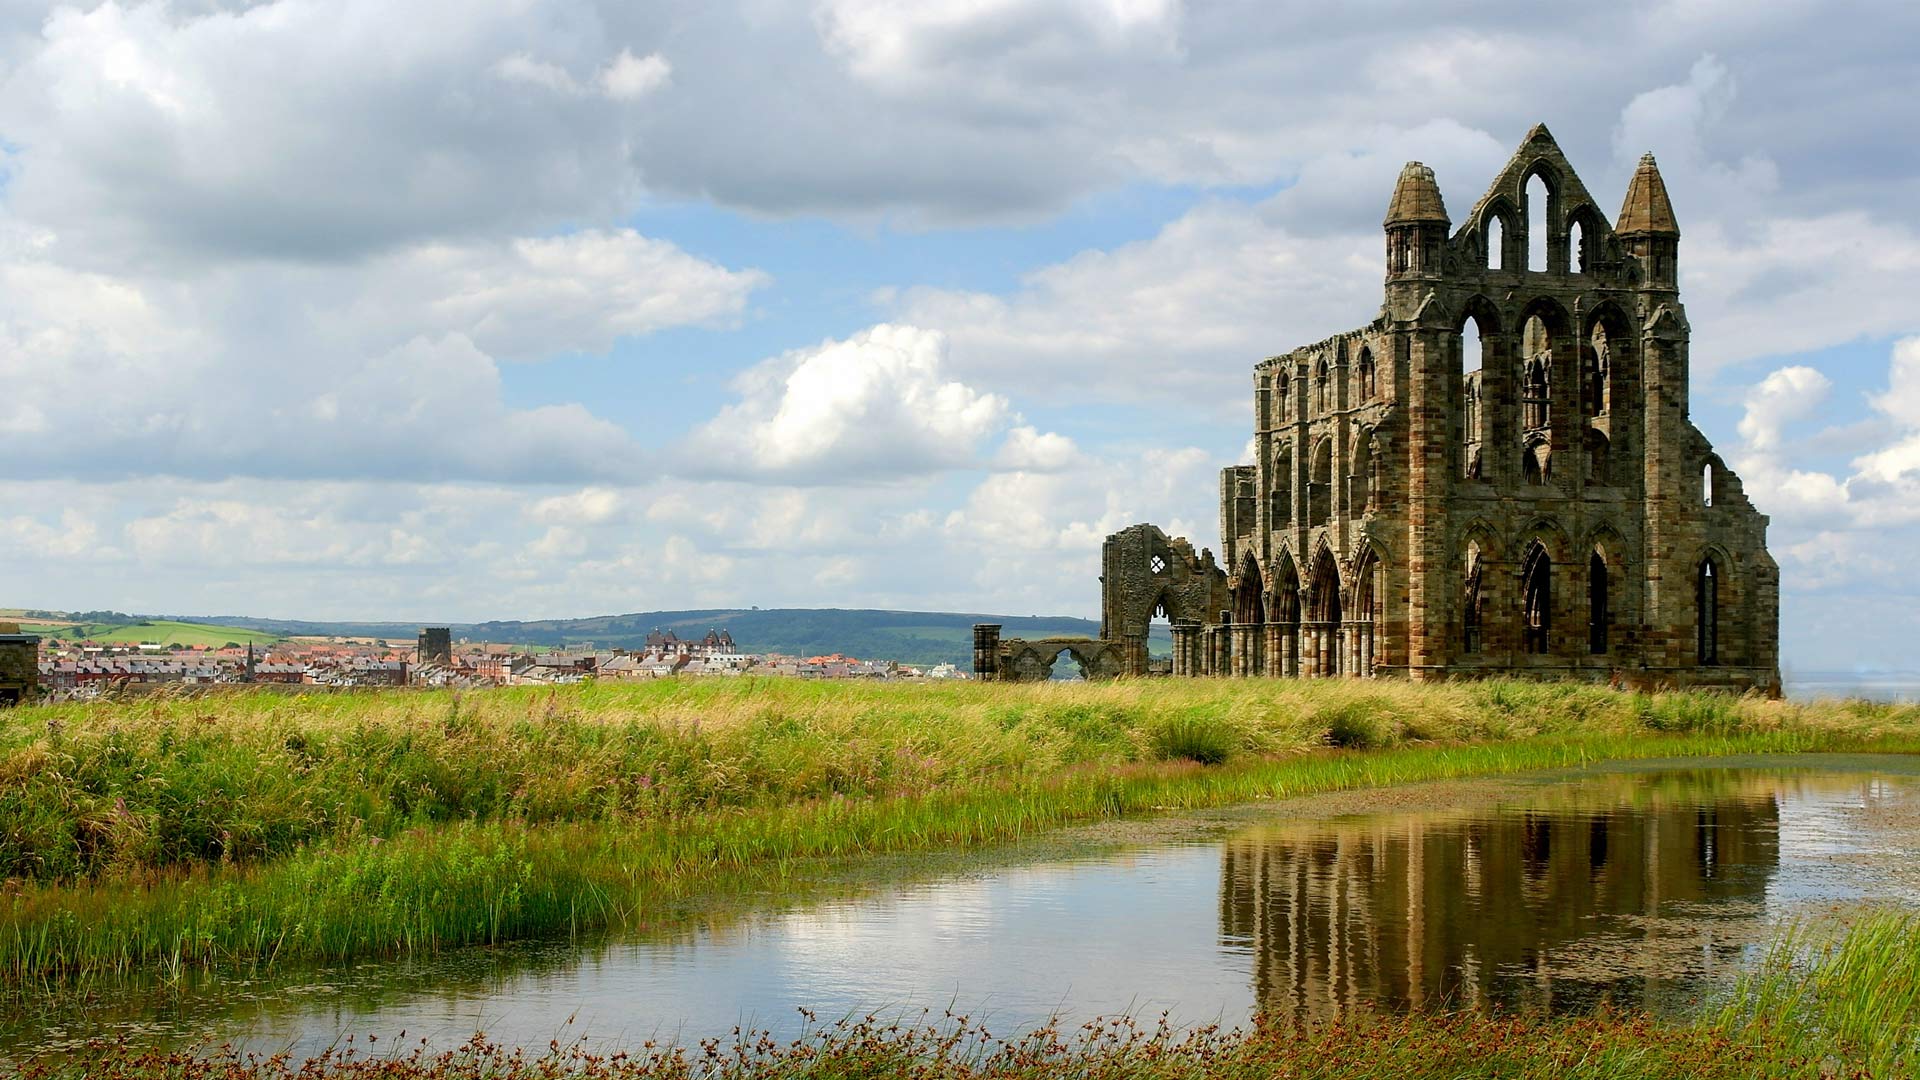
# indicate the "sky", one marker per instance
pixel 434 311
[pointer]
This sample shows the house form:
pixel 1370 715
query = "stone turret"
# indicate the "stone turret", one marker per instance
pixel 1647 228
pixel 1416 223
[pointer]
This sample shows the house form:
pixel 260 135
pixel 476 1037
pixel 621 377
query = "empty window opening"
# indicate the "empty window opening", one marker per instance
pixel 1577 248
pixel 1321 399
pixel 1369 383
pixel 1598 385
pixel 1320 485
pixel 1496 240
pixel 1597 605
pixel 1706 484
pixel 1707 596
pixel 1472 422
pixel 1470 603
pixel 1536 592
pixel 1280 497
pixel 1537 223
pixel 1536 374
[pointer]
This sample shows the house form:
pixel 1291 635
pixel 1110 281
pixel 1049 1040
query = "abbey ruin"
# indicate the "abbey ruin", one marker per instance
pixel 1539 505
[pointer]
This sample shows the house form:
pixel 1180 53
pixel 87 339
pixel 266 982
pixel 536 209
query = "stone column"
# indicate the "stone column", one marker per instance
pixel 986 650
pixel 1274 661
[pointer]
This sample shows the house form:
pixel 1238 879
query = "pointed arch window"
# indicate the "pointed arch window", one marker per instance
pixel 1536 595
pixel 1322 399
pixel 1369 386
pixel 1470 603
pixel 1280 498
pixel 1597 615
pixel 1707 599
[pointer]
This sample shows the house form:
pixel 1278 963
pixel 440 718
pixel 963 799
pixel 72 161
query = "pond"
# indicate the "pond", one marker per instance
pixel 1646 886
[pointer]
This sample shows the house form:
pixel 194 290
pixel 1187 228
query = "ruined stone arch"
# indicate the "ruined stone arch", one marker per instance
pixel 1495 232
pixel 1033 660
pixel 1366 376
pixel 1320 483
pixel 1607 352
pixel 1609 589
pixel 1363 470
pixel 1249 592
pixel 1547 225
pixel 1586 251
pixel 1729 610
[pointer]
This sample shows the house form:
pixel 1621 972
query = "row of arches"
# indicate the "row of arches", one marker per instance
pixel 1365 480
pixel 1327 391
pixel 1548 390
pixel 1320 627
pixel 1538 234
pixel 1534 614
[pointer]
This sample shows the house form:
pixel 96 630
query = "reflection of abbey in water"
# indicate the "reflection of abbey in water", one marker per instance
pixel 1452 911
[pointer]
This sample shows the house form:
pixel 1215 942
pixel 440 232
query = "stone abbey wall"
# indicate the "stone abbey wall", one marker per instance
pixel 1545 506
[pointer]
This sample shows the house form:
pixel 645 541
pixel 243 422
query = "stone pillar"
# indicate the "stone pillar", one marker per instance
pixel 986 651
pixel 1134 648
pixel 1274 660
pixel 1238 635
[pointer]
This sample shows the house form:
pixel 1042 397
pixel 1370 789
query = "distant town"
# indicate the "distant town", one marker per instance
pixel 76 667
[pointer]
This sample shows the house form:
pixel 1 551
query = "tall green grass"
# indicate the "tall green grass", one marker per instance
pixel 253 828
pixel 1846 995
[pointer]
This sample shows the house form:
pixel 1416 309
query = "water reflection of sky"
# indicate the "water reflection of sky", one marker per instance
pixel 1585 888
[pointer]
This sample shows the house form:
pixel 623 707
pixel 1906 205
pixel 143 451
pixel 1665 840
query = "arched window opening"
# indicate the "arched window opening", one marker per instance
pixel 1250 597
pixel 1707 599
pixel 1597 605
pixel 1368 590
pixel 1320 485
pixel 1536 463
pixel 1073 671
pixel 1536 374
pixel 1325 615
pixel 1286 612
pixel 1363 478
pixel 1472 420
pixel 1577 247
pixel 1706 484
pixel 1321 399
pixel 1280 498
pixel 1597 386
pixel 1537 226
pixel 1496 241
pixel 1282 396
pixel 1369 385
pixel 1536 593
pixel 1470 605
pixel 1597 467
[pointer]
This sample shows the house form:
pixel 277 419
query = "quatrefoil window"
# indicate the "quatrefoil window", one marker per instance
pixel 1157 564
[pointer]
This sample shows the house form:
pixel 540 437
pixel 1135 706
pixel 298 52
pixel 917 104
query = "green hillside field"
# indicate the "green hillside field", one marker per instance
pixel 153 632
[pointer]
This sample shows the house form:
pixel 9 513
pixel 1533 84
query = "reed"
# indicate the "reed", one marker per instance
pixel 948 1048
pixel 255 828
pixel 1844 994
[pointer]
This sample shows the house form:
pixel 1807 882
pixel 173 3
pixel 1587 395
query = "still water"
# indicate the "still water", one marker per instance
pixel 1646 886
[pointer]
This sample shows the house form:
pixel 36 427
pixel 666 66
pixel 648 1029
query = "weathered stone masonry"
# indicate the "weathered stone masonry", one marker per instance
pixel 1550 511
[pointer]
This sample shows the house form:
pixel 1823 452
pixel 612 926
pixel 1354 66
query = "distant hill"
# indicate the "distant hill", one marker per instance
pixel 135 631
pixel 916 637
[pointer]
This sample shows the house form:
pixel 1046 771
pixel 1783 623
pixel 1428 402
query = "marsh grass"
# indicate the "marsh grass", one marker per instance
pixel 252 829
pixel 1849 994
pixel 953 1048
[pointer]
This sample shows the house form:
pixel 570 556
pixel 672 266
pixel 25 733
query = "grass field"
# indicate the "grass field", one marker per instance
pixel 154 632
pixel 254 828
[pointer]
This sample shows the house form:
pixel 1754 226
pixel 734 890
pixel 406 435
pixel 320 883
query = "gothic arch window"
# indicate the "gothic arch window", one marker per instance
pixel 1369 384
pixel 1322 400
pixel 1536 375
pixel 1320 484
pixel 1495 232
pixel 1536 463
pixel 1577 247
pixel 1536 600
pixel 1706 484
pixel 1363 477
pixel 1282 394
pixel 1707 600
pixel 1598 467
pixel 1280 499
pixel 1597 384
pixel 1470 602
pixel 1598 618
pixel 1472 343
pixel 1539 200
